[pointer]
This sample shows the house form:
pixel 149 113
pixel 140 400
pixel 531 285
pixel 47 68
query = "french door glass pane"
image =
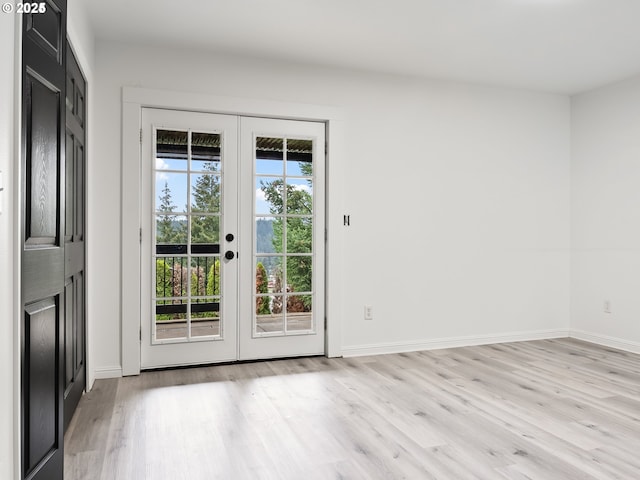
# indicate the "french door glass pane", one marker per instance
pixel 205 276
pixel 269 156
pixel 299 234
pixel 164 277
pixel 205 229
pixel 205 317
pixel 188 173
pixel 205 152
pixel 299 158
pixel 299 312
pixel 268 235
pixel 172 152
pixel 171 230
pixel 171 278
pixel 171 192
pixel 266 241
pixel 268 274
pixel 269 198
pixel 283 235
pixel 299 269
pixel 171 319
pixel 205 193
pixel 272 321
pixel 299 196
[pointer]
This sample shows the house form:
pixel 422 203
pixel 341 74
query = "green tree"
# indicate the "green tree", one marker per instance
pixel 213 279
pixel 165 229
pixel 205 228
pixel 299 233
pixel 165 287
pixel 164 277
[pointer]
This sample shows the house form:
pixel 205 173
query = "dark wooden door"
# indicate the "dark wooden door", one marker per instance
pixel 42 241
pixel 74 268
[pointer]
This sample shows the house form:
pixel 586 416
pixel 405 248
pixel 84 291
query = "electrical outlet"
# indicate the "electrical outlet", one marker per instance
pixel 607 306
pixel 368 312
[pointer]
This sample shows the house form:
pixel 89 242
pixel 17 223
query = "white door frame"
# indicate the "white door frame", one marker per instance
pixel 133 100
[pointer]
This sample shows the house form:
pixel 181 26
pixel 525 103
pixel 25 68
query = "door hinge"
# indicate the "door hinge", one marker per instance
pixel 326 235
pixel 140 136
pixel 140 334
pixel 141 235
pixel 326 147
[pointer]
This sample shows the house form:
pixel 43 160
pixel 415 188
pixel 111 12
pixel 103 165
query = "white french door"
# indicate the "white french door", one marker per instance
pixel 233 263
pixel 282 227
pixel 189 205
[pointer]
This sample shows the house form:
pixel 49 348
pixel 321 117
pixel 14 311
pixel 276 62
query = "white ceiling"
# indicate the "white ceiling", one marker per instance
pixel 563 46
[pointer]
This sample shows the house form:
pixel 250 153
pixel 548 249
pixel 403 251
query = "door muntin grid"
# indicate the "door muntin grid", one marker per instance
pixel 283 210
pixel 186 264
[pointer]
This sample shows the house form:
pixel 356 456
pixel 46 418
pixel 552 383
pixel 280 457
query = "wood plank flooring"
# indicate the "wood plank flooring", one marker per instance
pixel 549 409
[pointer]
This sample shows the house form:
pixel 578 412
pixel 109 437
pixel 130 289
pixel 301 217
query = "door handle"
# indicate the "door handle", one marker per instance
pixel 229 255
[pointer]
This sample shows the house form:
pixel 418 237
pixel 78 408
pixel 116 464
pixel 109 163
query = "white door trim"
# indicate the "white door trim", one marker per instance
pixel 133 100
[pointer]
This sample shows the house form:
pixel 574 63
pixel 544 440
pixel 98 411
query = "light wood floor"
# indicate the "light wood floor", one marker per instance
pixel 553 409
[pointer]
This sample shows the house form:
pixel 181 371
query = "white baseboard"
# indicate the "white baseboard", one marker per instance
pixel 107 372
pixel 452 342
pixel 440 343
pixel 606 341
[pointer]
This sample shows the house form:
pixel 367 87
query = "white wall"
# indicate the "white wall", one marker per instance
pixel 605 223
pixel 80 35
pixel 458 195
pixel 7 132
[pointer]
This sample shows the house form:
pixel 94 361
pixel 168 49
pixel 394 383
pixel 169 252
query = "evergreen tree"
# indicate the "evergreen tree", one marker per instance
pixel 206 200
pixel 165 229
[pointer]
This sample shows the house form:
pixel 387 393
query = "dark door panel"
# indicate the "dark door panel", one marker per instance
pixel 42 230
pixel 74 246
pixel 42 348
pixel 38 277
pixel 48 29
pixel 43 162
